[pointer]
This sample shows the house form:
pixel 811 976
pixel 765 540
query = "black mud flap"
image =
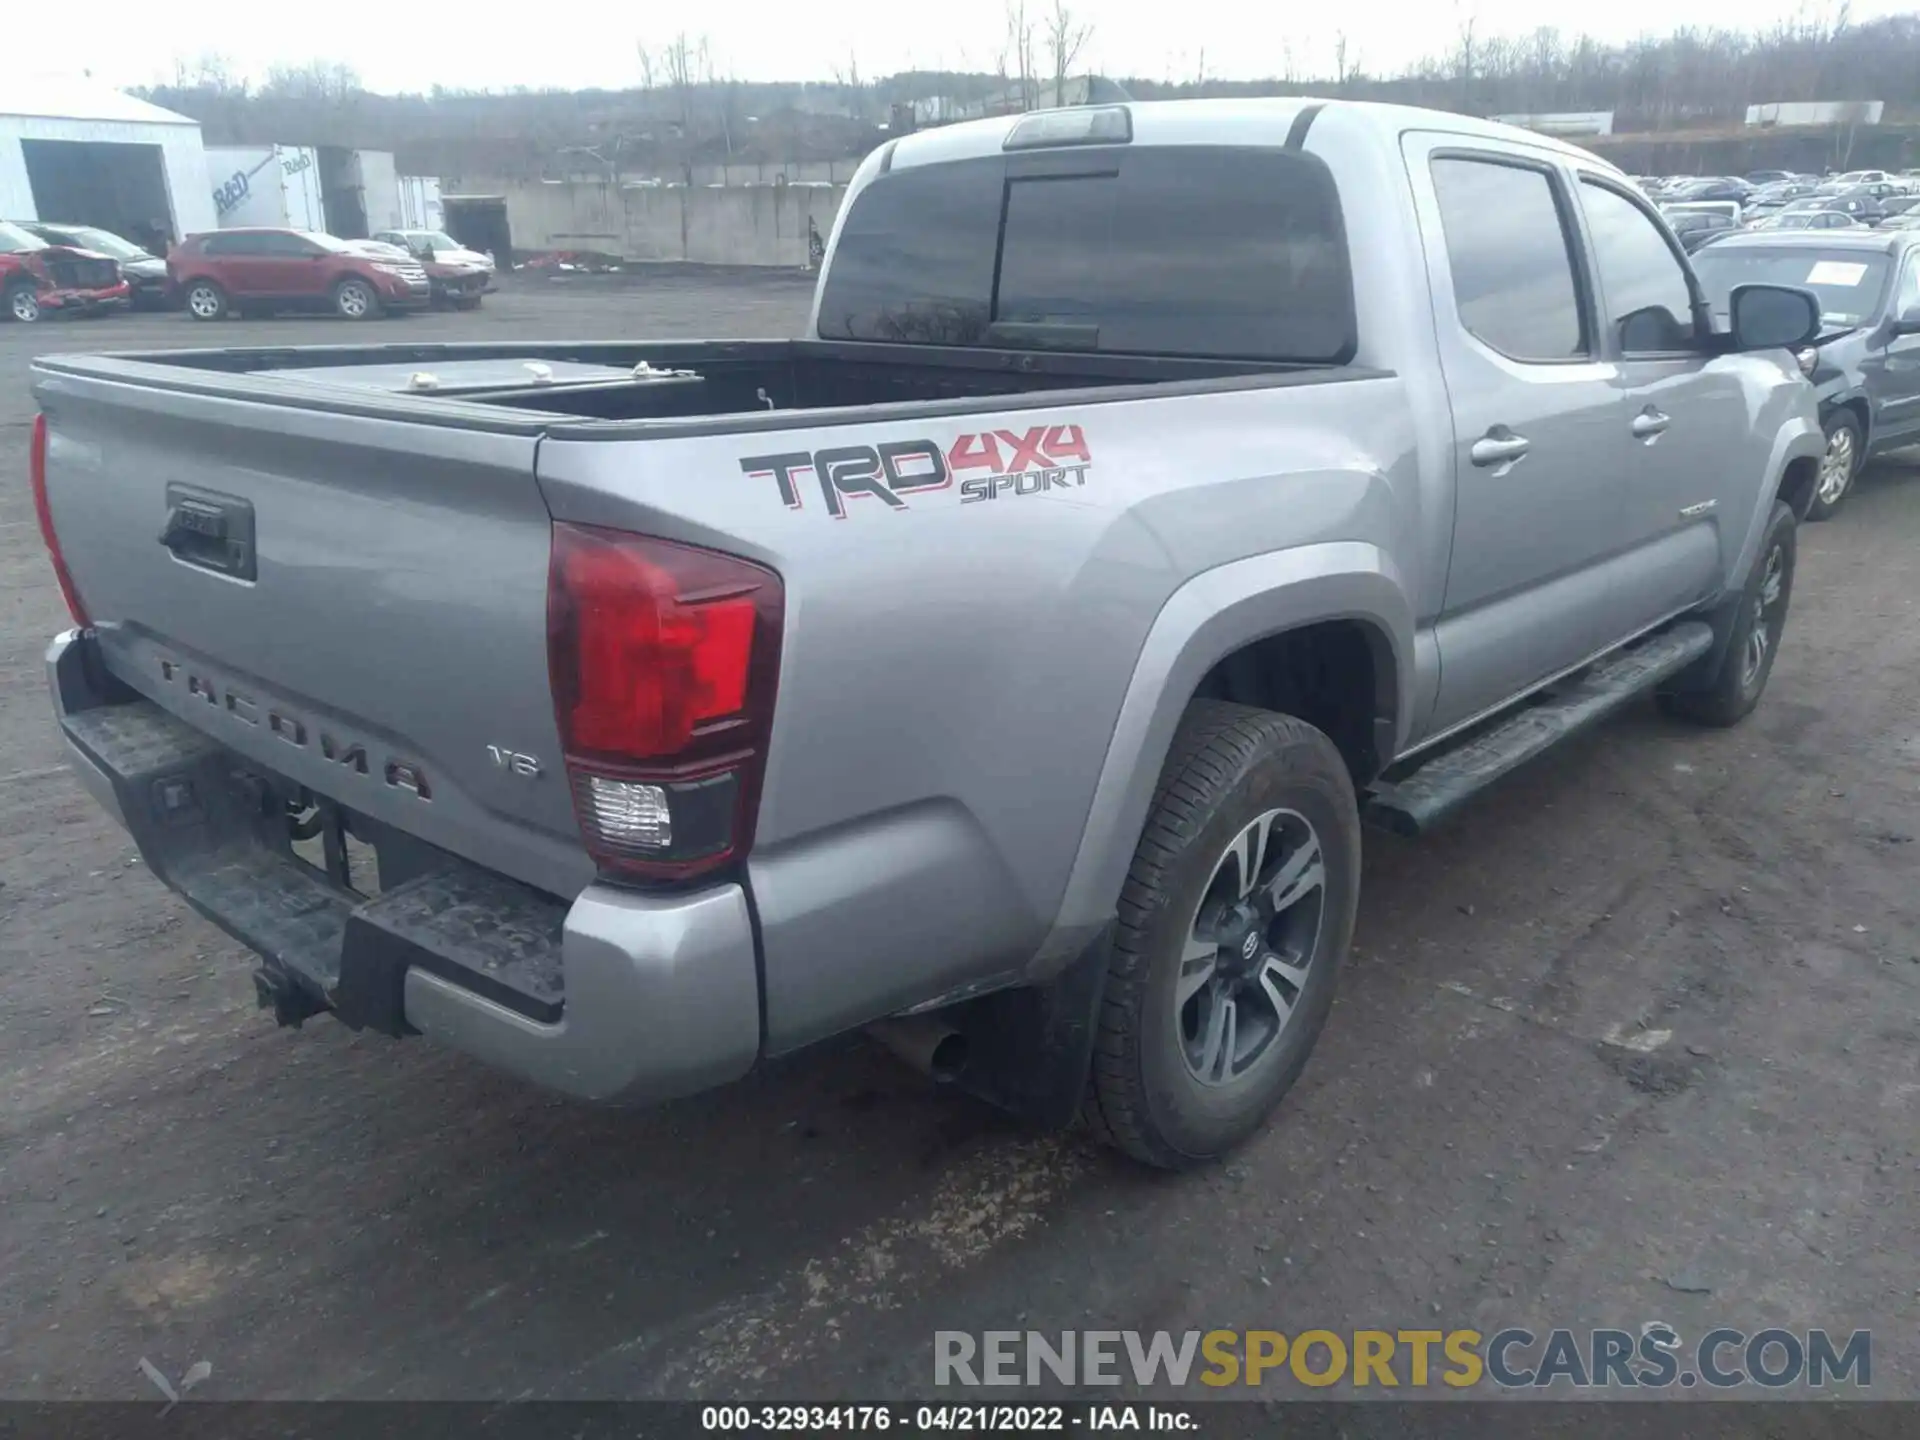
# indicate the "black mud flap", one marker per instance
pixel 1029 1050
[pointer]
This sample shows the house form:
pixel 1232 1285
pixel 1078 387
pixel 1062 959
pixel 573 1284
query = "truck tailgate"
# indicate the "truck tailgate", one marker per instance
pixel 353 601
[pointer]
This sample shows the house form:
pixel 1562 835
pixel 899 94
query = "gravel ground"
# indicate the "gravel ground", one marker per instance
pixel 1491 1133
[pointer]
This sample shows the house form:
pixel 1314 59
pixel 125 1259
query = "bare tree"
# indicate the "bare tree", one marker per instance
pixel 853 89
pixel 1020 49
pixel 330 80
pixel 1066 38
pixel 1465 58
pixel 210 72
pixel 725 92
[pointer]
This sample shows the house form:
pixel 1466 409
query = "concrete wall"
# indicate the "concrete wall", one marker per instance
pixel 831 172
pixel 704 225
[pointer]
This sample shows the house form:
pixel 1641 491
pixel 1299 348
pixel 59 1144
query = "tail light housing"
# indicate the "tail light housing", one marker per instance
pixel 43 512
pixel 663 659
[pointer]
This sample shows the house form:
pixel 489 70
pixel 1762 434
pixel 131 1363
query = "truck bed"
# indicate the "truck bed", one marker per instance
pixel 529 388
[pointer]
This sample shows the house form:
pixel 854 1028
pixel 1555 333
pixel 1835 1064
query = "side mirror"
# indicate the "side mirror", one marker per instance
pixel 1907 322
pixel 1773 317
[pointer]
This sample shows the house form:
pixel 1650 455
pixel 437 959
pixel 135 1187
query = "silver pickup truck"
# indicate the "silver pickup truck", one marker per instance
pixel 1007 665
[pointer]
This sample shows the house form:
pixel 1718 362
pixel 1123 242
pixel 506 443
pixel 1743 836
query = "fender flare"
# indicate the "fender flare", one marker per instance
pixel 1208 618
pixel 1852 398
pixel 1800 440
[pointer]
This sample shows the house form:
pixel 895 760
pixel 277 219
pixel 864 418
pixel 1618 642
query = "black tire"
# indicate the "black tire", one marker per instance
pixel 204 300
pixel 23 305
pixel 1843 430
pixel 1230 765
pixel 356 300
pixel 467 302
pixel 1730 694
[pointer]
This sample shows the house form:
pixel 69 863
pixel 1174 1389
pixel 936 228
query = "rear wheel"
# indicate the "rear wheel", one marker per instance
pixel 1838 466
pixel 23 304
pixel 1235 917
pixel 355 300
pixel 205 300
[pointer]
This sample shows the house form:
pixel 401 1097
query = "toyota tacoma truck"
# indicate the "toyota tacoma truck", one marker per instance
pixel 1006 666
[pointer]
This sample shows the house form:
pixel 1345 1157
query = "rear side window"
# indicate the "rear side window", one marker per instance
pixel 1508 253
pixel 282 244
pixel 232 245
pixel 1203 251
pixel 914 261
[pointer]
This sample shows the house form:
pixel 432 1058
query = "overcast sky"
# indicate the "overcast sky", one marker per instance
pixel 582 43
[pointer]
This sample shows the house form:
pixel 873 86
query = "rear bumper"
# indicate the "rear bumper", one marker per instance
pixel 619 996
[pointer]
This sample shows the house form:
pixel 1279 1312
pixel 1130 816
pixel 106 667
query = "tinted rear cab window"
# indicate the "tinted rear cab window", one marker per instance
pixel 1195 251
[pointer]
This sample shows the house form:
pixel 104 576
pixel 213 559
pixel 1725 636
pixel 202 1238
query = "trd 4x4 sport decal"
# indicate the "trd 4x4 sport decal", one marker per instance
pixel 1047 457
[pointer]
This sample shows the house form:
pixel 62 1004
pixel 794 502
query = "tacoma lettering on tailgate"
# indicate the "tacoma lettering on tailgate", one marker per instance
pixel 1046 457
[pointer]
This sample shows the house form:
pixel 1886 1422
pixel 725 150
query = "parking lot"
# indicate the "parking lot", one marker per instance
pixel 1637 1039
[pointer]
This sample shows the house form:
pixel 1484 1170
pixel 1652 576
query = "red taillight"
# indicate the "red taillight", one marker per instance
pixel 37 482
pixel 663 659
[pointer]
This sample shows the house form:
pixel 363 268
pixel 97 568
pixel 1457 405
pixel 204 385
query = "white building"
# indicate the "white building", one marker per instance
pixel 75 151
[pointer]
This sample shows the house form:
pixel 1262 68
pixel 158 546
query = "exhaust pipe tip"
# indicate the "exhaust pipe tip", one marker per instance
pixel 934 1048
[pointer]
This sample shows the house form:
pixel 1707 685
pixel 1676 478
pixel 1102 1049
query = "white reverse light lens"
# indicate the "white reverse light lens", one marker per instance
pixel 628 814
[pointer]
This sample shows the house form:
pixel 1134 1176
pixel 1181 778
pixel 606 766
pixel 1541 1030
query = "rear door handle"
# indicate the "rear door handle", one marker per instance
pixel 1499 446
pixel 1649 423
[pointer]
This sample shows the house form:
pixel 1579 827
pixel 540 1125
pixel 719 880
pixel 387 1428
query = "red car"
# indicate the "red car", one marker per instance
pixel 38 279
pixel 258 269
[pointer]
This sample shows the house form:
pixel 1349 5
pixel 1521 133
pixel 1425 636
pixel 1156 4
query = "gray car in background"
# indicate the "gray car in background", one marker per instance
pixel 1006 665
pixel 1866 367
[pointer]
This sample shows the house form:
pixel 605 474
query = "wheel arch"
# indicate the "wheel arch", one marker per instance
pixel 1856 404
pixel 1341 600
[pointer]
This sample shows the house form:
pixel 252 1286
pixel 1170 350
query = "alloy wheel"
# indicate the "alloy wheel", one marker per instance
pixel 1250 948
pixel 1764 633
pixel 1836 466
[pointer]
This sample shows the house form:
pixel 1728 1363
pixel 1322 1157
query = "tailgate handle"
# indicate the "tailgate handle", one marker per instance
pixel 210 531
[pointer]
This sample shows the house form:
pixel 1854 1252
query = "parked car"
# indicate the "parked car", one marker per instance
pixel 1808 220
pixel 256 269
pixel 1698 227
pixel 145 273
pixel 40 278
pixel 1895 206
pixel 1861 205
pixel 1769 177
pixel 1719 187
pixel 1772 197
pixel 666 693
pixel 459 276
pixel 1866 368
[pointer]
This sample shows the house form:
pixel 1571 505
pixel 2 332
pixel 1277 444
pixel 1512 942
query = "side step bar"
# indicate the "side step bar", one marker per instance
pixel 1435 786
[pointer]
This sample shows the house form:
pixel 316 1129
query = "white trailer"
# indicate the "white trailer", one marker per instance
pixel 273 185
